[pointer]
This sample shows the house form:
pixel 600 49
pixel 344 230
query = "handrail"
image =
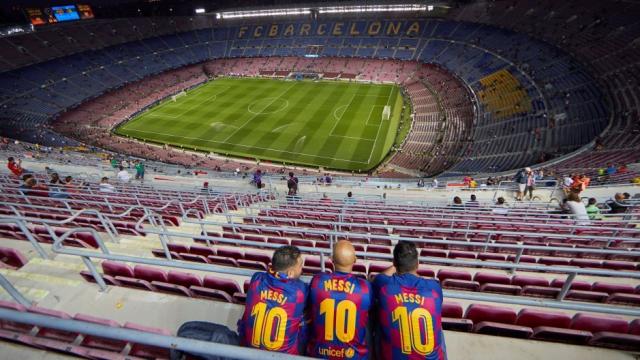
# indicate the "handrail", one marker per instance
pixel 143 337
pixel 481 213
pixel 339 224
pixel 557 304
pixel 13 292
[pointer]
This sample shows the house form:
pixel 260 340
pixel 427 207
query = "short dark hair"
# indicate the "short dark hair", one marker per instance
pixel 284 257
pixel 500 200
pixel 349 194
pixel 473 197
pixel 291 174
pixel 10 158
pixel 405 257
pixel 457 200
pixel 121 167
pixel 593 201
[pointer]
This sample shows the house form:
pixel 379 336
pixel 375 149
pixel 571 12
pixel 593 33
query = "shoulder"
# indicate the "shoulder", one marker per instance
pixel 381 280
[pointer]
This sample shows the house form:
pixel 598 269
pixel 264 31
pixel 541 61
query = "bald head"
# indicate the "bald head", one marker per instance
pixel 344 256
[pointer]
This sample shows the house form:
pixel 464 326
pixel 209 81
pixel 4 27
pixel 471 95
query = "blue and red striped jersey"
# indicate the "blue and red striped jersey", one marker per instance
pixel 274 315
pixel 340 304
pixel 409 317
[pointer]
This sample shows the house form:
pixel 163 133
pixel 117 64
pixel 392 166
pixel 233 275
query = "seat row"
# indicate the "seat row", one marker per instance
pixel 83 345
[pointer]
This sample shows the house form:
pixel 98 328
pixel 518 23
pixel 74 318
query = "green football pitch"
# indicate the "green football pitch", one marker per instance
pixel 329 124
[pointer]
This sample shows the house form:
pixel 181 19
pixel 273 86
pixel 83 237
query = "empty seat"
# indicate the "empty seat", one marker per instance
pixel 612 288
pixel 222 261
pixel 210 294
pixel 13 257
pixel 117 269
pixel 97 341
pixel 52 333
pixel 553 326
pixel 201 250
pixel 183 279
pixel 229 286
pixel 179 248
pixel 147 351
pixel 452 317
pixel 149 273
pixel 493 320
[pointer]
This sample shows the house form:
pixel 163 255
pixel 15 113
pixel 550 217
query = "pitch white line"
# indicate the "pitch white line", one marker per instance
pixel 378 133
pixel 246 146
pixel 351 137
pixel 214 96
pixel 345 110
pixel 258 114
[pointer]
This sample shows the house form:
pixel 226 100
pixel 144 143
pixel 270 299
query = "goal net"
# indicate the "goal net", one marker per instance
pixel 176 96
pixel 386 113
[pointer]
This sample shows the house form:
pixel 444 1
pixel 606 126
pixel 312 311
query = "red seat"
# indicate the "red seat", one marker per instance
pixel 13 257
pixel 455 279
pixel 424 272
pixel 51 333
pixel 223 261
pixel 595 324
pixel 179 248
pixel 483 278
pixel 491 257
pixel 183 279
pixel 523 259
pixel 229 286
pixel 586 263
pixel 494 320
pixel 523 280
pixel 194 258
pixel 612 288
pixel 253 265
pixel 553 326
pixel 10 325
pixel 210 294
pixel 135 283
pixel 276 240
pixel 116 269
pixel 575 285
pixel 259 257
pixel 147 351
pixel 624 298
pixel 591 296
pixel 456 254
pixel 149 273
pixel 97 341
pixel 551 261
pixel 173 289
pixel 433 253
pixel 452 318
pixel 201 250
pixel 379 249
pixel 233 254
pixel 302 243
pixel 619 265
pixel 378 268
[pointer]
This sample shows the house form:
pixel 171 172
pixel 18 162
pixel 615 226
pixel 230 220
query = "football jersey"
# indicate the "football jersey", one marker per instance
pixel 274 313
pixel 409 312
pixel 340 304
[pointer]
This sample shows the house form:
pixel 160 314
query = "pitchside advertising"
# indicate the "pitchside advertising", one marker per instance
pixel 339 28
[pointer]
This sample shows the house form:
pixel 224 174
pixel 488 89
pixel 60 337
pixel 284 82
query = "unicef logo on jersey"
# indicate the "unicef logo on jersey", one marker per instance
pixel 337 353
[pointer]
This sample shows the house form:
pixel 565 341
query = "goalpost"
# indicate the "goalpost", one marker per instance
pixel 176 96
pixel 386 113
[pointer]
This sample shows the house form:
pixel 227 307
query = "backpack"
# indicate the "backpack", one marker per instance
pixel 205 331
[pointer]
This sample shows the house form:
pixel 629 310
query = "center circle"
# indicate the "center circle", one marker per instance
pixel 259 106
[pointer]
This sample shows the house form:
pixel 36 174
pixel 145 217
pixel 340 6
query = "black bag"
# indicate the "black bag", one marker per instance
pixel 205 331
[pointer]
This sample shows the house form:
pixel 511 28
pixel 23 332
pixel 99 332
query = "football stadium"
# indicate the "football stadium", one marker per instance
pixel 196 179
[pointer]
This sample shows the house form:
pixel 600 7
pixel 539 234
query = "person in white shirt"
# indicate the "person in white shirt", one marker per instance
pixel 105 186
pixel 123 175
pixel 577 209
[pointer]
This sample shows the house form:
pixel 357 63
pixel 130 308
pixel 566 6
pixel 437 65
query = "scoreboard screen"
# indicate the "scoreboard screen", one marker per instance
pixel 65 13
pixel 85 11
pixel 36 16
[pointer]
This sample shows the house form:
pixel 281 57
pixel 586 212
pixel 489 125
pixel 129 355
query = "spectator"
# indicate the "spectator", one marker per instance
pixel 500 207
pixel 567 182
pixel 325 199
pixel 473 183
pixel 327 179
pixel 402 296
pixel 611 170
pixel 56 187
pixel 292 185
pixel 349 200
pixel 580 184
pixel 70 187
pixel 592 210
pixel 257 179
pixel 457 203
pixel 30 187
pixel 340 287
pixel 577 209
pixel 114 163
pixel 618 205
pixel 276 293
pixel 434 183
pixel 623 169
pixel 521 180
pixel 15 166
pixel 139 170
pixel 531 184
pixel 123 175
pixel 105 186
pixel 420 183
pixel 473 201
